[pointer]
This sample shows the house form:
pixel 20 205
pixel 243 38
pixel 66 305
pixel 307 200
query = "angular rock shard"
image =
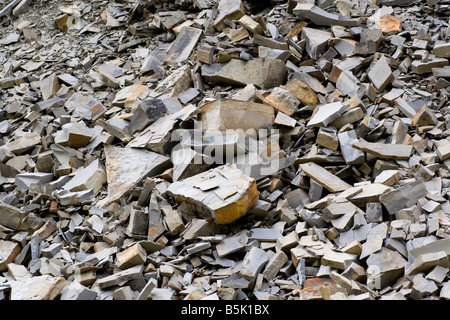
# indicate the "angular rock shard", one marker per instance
pixel 403 197
pixel 82 105
pixel 43 287
pixel 316 41
pixel 125 167
pixel 8 252
pixel 326 114
pixel 385 151
pixel 181 48
pixel 227 198
pixel 156 135
pixel 10 216
pixel 302 92
pixel 234 114
pixel 92 177
pixel 321 17
pixel 263 73
pixel 380 74
pixel 328 180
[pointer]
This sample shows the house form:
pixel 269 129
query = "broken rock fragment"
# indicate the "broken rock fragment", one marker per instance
pixel 263 73
pixel 223 194
pixel 126 167
pixel 302 92
pixel 380 74
pixel 230 10
pixel 85 106
pixel 23 144
pixel 385 151
pixel 10 216
pixel 43 287
pixel 323 177
pixel 326 114
pixel 403 197
pixel 92 177
pixel 181 48
pixel 234 114
pixel 283 100
pixel 147 112
pixel 8 252
pixel 321 17
pixel 316 41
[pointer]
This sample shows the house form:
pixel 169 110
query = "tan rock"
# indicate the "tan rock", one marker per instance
pixel 43 287
pixel 24 143
pixel 390 24
pixel 442 50
pixel 369 193
pixel 302 92
pixel 283 100
pixel 222 194
pixel 328 180
pixel 251 25
pixel 327 138
pixel 443 149
pixel 8 252
pixel 385 151
pixel 263 73
pixel 181 48
pixel 205 54
pixel 388 177
pixel 132 256
pixel 234 114
pixel 424 117
pixel 61 21
pixel 92 177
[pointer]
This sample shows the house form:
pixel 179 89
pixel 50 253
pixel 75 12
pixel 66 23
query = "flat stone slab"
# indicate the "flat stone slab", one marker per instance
pixel 403 197
pixel 181 48
pixel 326 179
pixel 234 114
pixel 316 41
pixel 442 50
pixel 156 135
pixel 369 193
pixel 228 9
pixel 231 244
pixel 23 144
pixel 321 17
pixel 92 177
pixel 125 167
pixel 385 151
pixel 380 74
pixel 253 263
pixel 326 114
pixel 85 106
pixel 338 260
pixel 420 67
pixel 263 73
pixel 385 267
pixel 227 195
pixel 43 287
pixel 10 216
pixel 8 252
pixel 265 234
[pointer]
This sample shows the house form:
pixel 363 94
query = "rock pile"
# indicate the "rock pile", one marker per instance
pixel 224 149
